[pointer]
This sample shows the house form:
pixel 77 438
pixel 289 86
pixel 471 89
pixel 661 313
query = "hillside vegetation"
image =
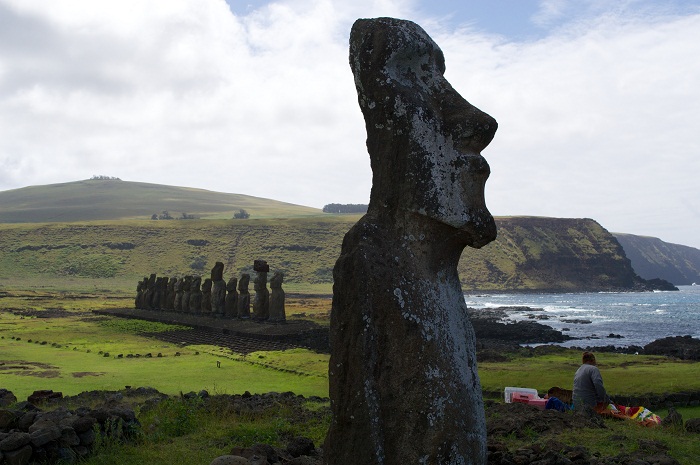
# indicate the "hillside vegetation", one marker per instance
pixel 534 254
pixel 112 199
pixel 654 258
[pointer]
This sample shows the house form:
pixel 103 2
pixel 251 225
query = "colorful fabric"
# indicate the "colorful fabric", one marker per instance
pixel 639 414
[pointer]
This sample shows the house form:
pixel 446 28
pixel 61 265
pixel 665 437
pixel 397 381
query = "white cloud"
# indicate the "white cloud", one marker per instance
pixel 597 119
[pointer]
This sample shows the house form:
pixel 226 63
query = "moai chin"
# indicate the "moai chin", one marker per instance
pixel 403 378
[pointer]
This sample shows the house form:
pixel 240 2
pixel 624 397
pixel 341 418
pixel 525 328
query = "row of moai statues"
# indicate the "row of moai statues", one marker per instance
pixel 214 296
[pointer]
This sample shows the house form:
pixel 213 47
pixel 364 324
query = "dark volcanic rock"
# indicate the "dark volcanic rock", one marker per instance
pixel 403 382
pixel 488 325
pixel 682 347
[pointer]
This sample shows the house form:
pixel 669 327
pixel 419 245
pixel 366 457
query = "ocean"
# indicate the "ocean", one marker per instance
pixel 639 317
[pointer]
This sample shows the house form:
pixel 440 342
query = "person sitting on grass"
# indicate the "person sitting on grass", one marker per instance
pixel 589 391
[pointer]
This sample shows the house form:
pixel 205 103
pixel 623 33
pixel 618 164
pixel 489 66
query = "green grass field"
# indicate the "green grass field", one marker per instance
pixel 57 343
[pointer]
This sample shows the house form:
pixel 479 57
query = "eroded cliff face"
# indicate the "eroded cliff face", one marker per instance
pixel 653 258
pixel 551 254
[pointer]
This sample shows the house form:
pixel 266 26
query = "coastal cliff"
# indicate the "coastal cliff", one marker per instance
pixel 653 258
pixel 552 254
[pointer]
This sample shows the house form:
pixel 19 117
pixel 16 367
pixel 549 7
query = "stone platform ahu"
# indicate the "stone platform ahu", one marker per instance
pixel 404 386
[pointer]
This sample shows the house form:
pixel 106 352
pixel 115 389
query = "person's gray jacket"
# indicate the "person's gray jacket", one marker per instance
pixel 588 387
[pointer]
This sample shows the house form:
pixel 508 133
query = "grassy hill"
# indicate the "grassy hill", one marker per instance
pixel 536 254
pixel 654 258
pixel 112 199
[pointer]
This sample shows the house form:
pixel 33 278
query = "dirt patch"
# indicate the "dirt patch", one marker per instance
pixel 46 313
pixel 82 374
pixel 26 368
pixel 25 365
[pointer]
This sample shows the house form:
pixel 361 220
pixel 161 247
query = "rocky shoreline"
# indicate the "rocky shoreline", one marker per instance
pixel 494 332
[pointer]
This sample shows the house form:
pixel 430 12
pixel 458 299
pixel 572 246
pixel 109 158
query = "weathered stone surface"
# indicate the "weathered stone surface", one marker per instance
pixel 683 347
pixel 41 396
pixel 7 398
pixel 186 292
pixel 404 385
pixel 261 302
pixel 196 295
pixel 206 296
pixel 693 425
pixel 20 456
pixel 230 460
pixel 217 273
pixel 15 441
pixel 277 296
pixel 7 417
pixel 231 310
pixel 244 296
pixel 301 446
pixel 45 435
pixel 218 290
pixel 177 303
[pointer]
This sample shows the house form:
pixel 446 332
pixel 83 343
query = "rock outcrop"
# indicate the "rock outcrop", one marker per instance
pixel 403 379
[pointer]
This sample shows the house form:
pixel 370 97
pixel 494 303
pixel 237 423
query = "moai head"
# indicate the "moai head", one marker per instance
pixel 244 282
pixel 206 287
pixel 276 280
pixel 260 282
pixel 196 283
pixel 217 273
pixel 231 285
pixel 423 138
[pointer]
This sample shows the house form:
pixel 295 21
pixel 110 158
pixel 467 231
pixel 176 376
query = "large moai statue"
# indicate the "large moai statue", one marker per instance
pixel 206 297
pixel 196 295
pixel 244 296
pixel 218 290
pixel 277 312
pixel 231 307
pixel 186 293
pixel 403 378
pixel 170 299
pixel 261 301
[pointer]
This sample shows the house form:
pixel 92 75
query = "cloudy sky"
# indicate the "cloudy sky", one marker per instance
pixel 598 101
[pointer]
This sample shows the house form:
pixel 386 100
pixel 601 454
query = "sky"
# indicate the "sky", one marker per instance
pixel 598 101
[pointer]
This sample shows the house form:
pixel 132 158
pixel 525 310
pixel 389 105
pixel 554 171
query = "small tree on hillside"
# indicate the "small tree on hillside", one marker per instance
pixel 241 215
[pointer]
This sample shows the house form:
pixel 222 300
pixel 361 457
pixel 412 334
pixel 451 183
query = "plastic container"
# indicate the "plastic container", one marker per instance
pixel 526 392
pixel 539 403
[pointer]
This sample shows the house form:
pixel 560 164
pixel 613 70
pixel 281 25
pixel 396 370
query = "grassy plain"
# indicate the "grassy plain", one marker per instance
pixel 57 343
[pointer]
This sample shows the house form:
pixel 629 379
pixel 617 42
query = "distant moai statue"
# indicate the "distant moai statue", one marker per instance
pixel 218 290
pixel 244 296
pixel 277 312
pixel 163 293
pixel 261 302
pixel 206 297
pixel 186 293
pixel 170 299
pixel 196 295
pixel 177 303
pixel 150 292
pixel 231 305
pixel 141 293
